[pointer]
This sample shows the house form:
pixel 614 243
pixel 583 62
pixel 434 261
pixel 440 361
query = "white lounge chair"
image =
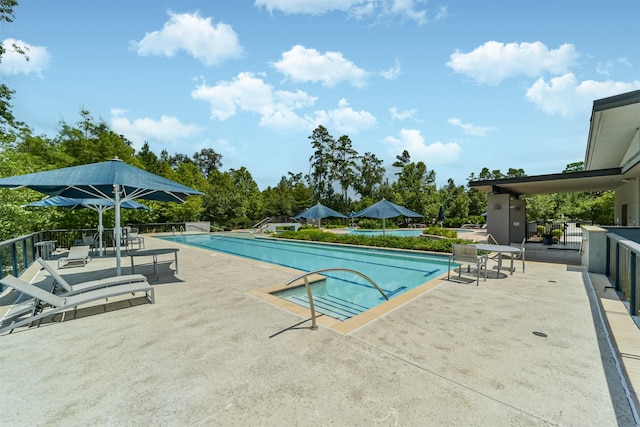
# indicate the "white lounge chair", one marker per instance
pixel 76 255
pixel 468 254
pixel 59 304
pixel 68 289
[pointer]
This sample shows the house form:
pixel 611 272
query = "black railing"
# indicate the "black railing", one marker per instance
pixel 623 270
pixel 18 254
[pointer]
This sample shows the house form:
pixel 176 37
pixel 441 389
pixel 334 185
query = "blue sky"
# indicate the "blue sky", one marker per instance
pixel 460 84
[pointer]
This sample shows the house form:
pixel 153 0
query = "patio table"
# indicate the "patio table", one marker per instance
pixel 45 248
pixel 154 254
pixel 500 249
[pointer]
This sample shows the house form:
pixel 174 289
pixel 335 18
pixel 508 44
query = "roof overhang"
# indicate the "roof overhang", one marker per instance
pixel 569 182
pixel 614 124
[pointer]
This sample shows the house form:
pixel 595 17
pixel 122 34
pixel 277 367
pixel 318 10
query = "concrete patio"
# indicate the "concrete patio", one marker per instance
pixel 523 350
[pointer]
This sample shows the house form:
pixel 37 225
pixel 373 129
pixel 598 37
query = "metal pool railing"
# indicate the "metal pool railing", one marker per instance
pixel 305 276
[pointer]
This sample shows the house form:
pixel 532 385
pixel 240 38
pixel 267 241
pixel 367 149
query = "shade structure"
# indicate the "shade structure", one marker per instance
pixel 319 211
pixel 441 215
pixel 385 209
pixel 98 205
pixel 111 180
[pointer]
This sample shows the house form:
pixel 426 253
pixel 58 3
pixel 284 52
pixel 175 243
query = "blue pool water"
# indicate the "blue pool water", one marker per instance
pixel 342 295
pixel 393 232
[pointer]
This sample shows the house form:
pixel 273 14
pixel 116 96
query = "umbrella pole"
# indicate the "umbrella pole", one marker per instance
pixel 117 232
pixel 100 227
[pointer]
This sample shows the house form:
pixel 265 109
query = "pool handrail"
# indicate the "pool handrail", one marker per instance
pixel 305 276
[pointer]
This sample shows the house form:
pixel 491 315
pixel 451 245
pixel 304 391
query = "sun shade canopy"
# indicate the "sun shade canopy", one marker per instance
pixel 98 180
pixel 319 211
pixel 111 180
pixel 385 209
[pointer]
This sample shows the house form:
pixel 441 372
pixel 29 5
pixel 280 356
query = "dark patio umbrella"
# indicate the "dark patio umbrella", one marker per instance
pixel 111 180
pixel 385 209
pixel 441 215
pixel 98 205
pixel 319 211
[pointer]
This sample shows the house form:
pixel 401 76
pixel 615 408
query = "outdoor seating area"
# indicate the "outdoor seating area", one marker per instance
pixel 208 315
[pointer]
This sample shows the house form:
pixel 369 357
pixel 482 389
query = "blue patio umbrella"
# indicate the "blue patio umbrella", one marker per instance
pixel 319 211
pixel 385 209
pixel 98 205
pixel 111 180
pixel 441 215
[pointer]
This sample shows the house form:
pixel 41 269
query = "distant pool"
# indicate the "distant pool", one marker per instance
pixel 392 232
pixel 343 295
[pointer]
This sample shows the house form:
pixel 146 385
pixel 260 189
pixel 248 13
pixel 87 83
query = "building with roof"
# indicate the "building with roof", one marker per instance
pixel 612 162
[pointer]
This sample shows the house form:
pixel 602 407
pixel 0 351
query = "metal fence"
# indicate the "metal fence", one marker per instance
pixel 17 254
pixel 569 232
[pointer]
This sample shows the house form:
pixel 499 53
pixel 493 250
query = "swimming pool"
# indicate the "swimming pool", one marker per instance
pixel 342 295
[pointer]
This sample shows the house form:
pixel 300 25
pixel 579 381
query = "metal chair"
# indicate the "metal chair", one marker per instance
pixel 468 254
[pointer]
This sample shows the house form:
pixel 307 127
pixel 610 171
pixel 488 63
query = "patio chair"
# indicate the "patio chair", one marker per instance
pixel 68 289
pixel 468 254
pixel 133 237
pixel 59 304
pixel 90 241
pixel 514 256
pixel 76 255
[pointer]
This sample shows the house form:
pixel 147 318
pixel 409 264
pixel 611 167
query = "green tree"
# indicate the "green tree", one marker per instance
pixel 7 119
pixel 416 189
pixel 91 142
pixel 320 164
pixel 371 173
pixel 250 195
pixel 221 201
pixel 207 161
pixel 343 166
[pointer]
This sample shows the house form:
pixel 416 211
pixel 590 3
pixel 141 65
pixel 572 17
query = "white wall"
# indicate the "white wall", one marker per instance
pixel 629 194
pixel 498 217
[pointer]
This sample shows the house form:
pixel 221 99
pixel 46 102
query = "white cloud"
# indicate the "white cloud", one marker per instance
pixel 469 128
pixel 278 110
pixel 407 8
pixel 211 44
pixel 393 72
pixel 302 65
pixel 34 61
pixel 438 153
pixel 568 98
pixel 345 120
pixel 402 115
pixel 605 67
pixel 310 7
pixel 493 62
pixel 249 93
pixel 359 9
pixel 168 130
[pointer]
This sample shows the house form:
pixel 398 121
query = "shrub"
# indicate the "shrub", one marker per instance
pixel 395 242
pixel 437 231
